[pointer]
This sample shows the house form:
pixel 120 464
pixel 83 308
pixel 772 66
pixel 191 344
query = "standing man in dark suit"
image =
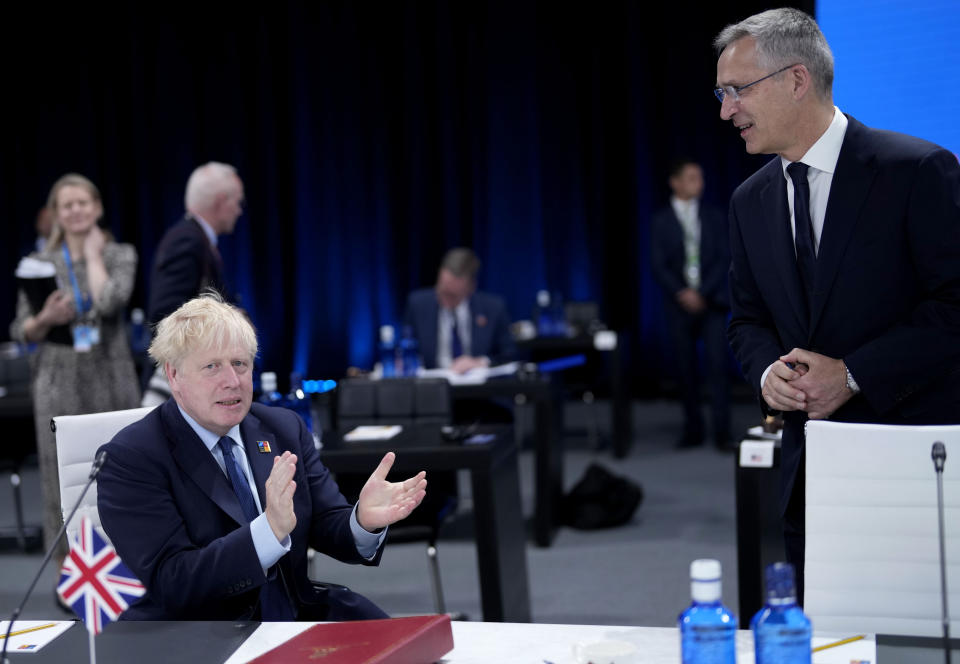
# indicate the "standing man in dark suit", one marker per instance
pixel 457 326
pixel 845 280
pixel 187 260
pixel 690 258
pixel 212 500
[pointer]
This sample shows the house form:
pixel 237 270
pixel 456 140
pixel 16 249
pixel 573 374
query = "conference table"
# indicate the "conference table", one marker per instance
pixel 546 399
pixel 474 643
pixel 494 476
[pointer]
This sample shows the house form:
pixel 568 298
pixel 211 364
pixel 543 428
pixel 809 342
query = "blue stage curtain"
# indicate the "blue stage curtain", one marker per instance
pixel 373 136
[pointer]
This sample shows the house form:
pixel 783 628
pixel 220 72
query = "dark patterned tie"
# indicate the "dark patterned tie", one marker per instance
pixel 238 480
pixel 456 347
pixel 803 228
pixel 274 600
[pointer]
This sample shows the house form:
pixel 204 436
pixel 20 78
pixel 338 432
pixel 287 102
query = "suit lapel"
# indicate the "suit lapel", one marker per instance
pixel 428 328
pixel 195 460
pixel 477 333
pixel 261 463
pixel 851 184
pixel 773 199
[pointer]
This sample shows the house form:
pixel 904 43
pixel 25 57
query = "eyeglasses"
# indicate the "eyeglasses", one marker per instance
pixel 735 90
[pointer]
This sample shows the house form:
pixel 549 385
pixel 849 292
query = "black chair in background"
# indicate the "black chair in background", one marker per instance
pixel 16 418
pixel 407 402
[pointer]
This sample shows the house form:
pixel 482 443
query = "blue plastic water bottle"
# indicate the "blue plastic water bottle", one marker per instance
pixel 268 390
pixel 544 314
pixel 410 352
pixel 708 629
pixel 388 351
pixel 781 631
pixel 298 400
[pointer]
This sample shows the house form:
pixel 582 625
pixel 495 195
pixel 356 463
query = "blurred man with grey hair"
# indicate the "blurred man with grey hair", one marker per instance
pixel 187 261
pixel 845 277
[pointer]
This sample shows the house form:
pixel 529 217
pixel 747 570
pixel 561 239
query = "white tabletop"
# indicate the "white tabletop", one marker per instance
pixel 478 642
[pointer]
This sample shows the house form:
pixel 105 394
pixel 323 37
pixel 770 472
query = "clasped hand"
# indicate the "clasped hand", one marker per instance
pixel 381 503
pixel 816 384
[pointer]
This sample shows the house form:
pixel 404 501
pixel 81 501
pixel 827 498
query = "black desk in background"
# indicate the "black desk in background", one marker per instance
pixel 20 442
pixel 498 519
pixel 148 642
pixel 548 442
pixel 759 528
pixel 606 376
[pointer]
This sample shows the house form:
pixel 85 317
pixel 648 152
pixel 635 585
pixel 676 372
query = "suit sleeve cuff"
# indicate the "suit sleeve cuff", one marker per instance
pixel 367 543
pixel 268 549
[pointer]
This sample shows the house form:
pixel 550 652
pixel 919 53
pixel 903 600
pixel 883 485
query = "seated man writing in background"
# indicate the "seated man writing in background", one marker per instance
pixel 212 500
pixel 458 327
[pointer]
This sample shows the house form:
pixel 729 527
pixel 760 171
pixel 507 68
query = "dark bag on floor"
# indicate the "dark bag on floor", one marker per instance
pixel 601 500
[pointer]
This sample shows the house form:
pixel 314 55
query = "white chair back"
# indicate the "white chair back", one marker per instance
pixel 78 438
pixel 872 550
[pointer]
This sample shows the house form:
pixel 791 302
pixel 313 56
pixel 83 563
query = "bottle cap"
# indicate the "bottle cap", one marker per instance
pixel 386 334
pixel 136 316
pixel 705 580
pixel 781 587
pixel 543 298
pixel 268 381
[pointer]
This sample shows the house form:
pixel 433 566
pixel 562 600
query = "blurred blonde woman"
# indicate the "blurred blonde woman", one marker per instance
pixel 95 372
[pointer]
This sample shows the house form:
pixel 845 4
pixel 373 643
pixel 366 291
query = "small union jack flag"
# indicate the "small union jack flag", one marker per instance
pixel 94 581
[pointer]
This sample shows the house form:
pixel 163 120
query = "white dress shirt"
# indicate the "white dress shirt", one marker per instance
pixel 207 229
pixel 822 159
pixel 688 212
pixel 444 336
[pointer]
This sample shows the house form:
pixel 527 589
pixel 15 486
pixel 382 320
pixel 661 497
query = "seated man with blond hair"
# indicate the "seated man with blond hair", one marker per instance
pixel 212 500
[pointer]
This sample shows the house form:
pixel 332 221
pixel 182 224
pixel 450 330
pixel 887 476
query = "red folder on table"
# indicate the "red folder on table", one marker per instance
pixel 413 640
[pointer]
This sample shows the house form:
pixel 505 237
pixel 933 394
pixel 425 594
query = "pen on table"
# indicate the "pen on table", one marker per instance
pixel 29 629
pixel 839 643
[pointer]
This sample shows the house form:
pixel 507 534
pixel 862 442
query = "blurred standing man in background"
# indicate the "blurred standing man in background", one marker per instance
pixel 187 260
pixel 845 281
pixel 690 258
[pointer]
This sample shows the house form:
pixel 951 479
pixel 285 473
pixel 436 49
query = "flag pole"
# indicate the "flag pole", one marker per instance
pixel 93 648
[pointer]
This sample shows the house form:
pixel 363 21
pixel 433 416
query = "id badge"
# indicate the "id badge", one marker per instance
pixel 82 338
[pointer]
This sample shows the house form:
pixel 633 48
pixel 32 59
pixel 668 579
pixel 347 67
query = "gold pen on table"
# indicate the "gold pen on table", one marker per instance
pixel 841 642
pixel 29 629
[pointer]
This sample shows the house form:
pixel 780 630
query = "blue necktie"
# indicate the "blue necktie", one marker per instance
pixel 803 228
pixel 456 348
pixel 238 480
pixel 274 601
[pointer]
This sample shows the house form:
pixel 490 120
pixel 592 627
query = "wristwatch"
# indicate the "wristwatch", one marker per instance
pixel 851 383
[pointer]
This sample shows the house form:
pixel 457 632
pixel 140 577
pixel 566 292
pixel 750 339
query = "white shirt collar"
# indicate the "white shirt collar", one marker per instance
pixel 207 228
pixel 823 154
pixel 679 207
pixel 209 438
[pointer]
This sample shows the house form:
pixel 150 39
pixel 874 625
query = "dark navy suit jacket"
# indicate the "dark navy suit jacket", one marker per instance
pixel 668 255
pixel 489 331
pixel 887 294
pixel 185 263
pixel 175 520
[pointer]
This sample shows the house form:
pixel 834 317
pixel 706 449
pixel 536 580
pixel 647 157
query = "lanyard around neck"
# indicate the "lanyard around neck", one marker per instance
pixel 82 300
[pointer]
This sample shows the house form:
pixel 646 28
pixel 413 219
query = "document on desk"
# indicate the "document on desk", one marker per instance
pixel 32 635
pixel 476 376
pixel 374 432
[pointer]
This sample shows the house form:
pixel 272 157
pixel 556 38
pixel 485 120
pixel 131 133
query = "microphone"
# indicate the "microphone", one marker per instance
pixel 939 455
pixel 94 471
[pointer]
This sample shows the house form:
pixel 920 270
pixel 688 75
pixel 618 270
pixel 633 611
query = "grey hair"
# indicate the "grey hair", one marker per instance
pixel 206 182
pixel 461 262
pixel 785 36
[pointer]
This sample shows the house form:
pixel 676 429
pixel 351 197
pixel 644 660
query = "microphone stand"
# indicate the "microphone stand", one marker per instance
pixel 94 471
pixel 939 455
